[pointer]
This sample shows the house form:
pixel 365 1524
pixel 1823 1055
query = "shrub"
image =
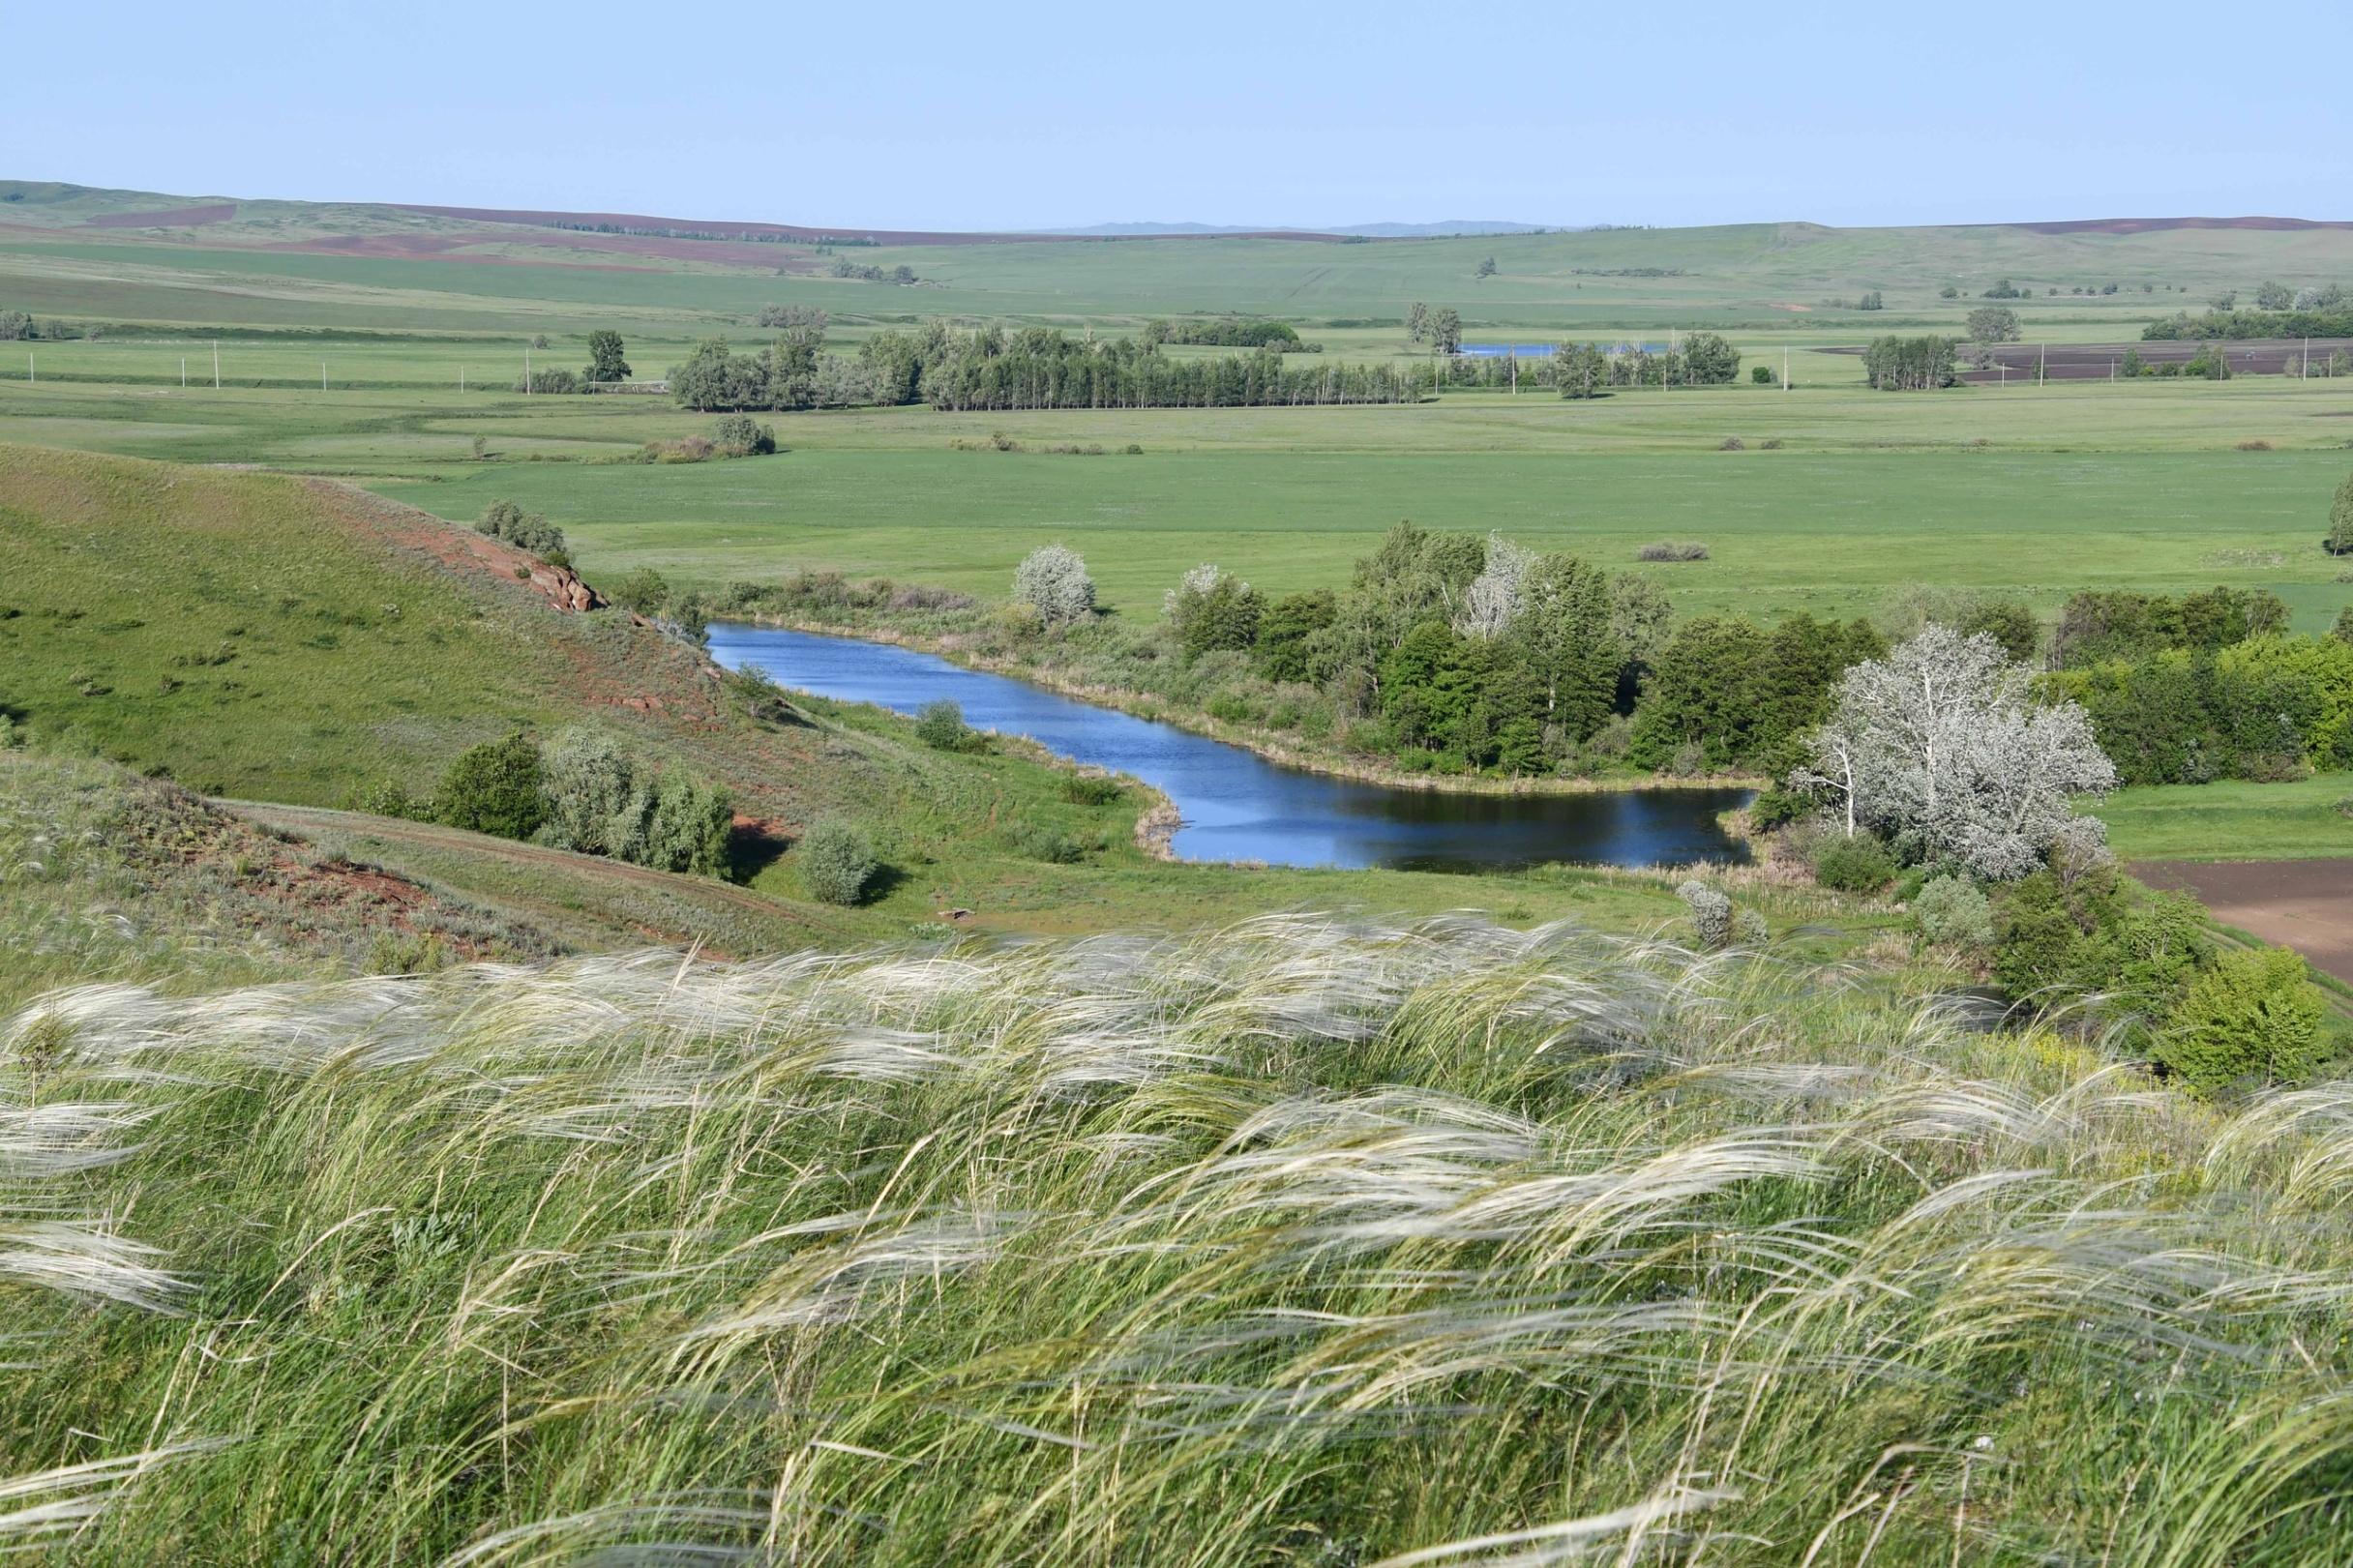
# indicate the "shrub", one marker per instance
pixel 598 801
pixel 693 822
pixel 644 590
pixel 1761 374
pixel 1853 863
pixel 1771 443
pixel 525 530
pixel 1953 911
pixel 2254 1014
pixel 1748 929
pixel 387 798
pixel 1090 788
pixel 836 862
pixel 550 379
pixel 1710 914
pixel 494 787
pixel 1732 443
pixel 942 725
pixel 1052 581
pixel 1670 551
pixel 2340 520
pixel 1042 841
pixel 740 435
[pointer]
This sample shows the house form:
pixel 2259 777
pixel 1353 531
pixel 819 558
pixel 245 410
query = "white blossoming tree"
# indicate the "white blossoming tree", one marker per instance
pixel 1494 598
pixel 1943 738
pixel 1053 580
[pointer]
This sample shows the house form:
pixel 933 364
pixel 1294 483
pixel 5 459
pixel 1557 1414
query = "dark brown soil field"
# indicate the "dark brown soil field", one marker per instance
pixel 2097 362
pixel 2307 904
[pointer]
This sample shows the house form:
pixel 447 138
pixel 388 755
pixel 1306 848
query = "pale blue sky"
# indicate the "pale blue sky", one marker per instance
pixel 1030 115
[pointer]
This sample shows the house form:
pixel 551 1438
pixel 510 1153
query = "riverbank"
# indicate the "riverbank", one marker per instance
pixel 1325 763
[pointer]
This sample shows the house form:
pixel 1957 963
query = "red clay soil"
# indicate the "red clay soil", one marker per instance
pixel 725 229
pixel 2307 904
pixel 170 217
pixel 460 548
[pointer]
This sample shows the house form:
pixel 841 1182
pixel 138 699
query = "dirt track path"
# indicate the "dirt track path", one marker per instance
pixel 308 819
pixel 2307 904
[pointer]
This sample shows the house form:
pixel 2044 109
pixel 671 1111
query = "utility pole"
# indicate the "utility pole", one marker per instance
pixel 216 365
pixel 1785 367
pixel 2042 356
pixel 322 376
pixel 526 371
pixel 183 372
pixel 32 371
pixel 2308 357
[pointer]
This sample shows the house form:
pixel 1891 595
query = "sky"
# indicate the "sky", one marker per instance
pixel 1016 115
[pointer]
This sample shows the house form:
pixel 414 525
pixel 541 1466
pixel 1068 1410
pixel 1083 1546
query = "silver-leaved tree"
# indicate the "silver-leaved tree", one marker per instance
pixel 1943 739
pixel 1053 580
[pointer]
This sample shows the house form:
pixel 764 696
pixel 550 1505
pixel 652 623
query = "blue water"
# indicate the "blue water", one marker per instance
pixel 1499 350
pixel 1238 805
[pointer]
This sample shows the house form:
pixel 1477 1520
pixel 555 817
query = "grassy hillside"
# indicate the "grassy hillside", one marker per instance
pixel 1297 1243
pixel 78 251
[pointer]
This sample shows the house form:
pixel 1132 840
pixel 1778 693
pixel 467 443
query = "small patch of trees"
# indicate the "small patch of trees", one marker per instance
pixel 1871 301
pixel 1417 323
pixel 2339 541
pixel 2005 290
pixel 1909 364
pixel 582 792
pixel 902 274
pixel 1485 268
pixel 1446 331
pixel 794 318
pixel 14 326
pixel 1230 333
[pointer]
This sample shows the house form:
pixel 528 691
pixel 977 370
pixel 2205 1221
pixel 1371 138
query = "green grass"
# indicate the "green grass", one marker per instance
pixel 2233 821
pixel 1831 533
pixel 1298 1242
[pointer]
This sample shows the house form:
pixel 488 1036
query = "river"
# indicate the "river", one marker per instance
pixel 1238 806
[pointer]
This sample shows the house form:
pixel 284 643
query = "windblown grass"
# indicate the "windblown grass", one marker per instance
pixel 1302 1243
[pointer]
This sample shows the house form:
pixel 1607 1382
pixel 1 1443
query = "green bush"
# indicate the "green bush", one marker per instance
pixel 740 435
pixel 494 787
pixel 1953 911
pixel 836 862
pixel 1042 841
pixel 644 590
pixel 1090 788
pixel 599 801
pixel 1761 374
pixel 1853 863
pixel 691 826
pixel 2253 1016
pixel 941 725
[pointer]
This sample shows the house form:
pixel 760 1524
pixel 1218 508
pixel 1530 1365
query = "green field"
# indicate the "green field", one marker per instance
pixel 2308 818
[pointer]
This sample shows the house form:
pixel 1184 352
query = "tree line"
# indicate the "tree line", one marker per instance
pixel 1228 332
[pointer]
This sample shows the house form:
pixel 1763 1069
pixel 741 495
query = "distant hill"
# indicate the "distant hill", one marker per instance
pixel 1445 228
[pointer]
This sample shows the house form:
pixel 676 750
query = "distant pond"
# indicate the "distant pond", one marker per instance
pixel 1238 806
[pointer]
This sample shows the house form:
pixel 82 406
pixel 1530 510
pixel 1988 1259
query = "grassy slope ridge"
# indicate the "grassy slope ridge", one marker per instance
pixel 1293 1243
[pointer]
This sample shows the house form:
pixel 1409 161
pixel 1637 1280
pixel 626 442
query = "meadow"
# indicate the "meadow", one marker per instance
pixel 1303 1241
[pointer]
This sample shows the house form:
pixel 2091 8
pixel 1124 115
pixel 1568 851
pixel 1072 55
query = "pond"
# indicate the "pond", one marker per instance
pixel 1238 806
